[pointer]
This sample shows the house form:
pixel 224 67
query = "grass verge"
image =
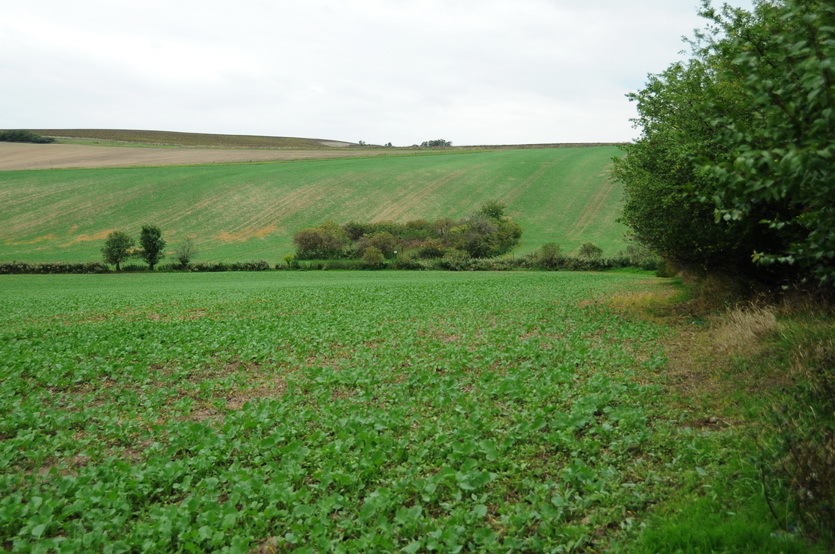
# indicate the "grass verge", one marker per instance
pixel 757 383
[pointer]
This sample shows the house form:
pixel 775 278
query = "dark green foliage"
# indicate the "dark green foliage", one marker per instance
pixel 117 248
pixel 781 153
pixel 492 209
pixel 49 268
pixel 325 241
pixel 373 257
pixel 185 252
pixel 152 245
pixel 260 265
pixel 590 251
pixel 548 256
pixel 436 143
pixel 734 164
pixel 485 234
pixel 24 136
pixel 383 241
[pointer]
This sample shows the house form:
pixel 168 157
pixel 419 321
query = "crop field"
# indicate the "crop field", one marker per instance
pixel 343 411
pixel 239 212
pixel 184 139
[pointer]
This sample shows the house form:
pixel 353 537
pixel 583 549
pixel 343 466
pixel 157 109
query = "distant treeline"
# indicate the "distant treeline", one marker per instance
pixel 24 136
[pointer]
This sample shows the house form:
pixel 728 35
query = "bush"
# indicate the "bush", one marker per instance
pixel 590 251
pixel 549 256
pixel 24 136
pixel 373 257
pixel 117 248
pixel 325 241
pixel 51 268
pixel 185 252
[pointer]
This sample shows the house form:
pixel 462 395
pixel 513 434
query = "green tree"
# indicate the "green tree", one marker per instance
pixel 385 242
pixel 492 209
pixel 185 252
pixel 152 245
pixel 436 143
pixel 736 147
pixel 590 251
pixel 117 248
pixel 780 155
pixel 328 240
pixel 373 257
pixel 548 256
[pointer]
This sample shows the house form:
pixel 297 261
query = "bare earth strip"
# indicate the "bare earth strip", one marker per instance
pixel 17 156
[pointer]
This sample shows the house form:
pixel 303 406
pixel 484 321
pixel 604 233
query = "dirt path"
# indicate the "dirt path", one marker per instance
pixel 17 156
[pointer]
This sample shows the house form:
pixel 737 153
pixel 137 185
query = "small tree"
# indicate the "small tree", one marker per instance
pixel 185 252
pixel 548 256
pixel 152 245
pixel 590 251
pixel 117 248
pixel 373 257
pixel 492 209
pixel 385 242
pixel 437 143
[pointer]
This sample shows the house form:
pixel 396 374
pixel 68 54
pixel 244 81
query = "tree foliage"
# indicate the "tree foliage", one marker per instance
pixel 733 167
pixel 185 252
pixel 325 241
pixel 486 233
pixel 118 247
pixel 436 143
pixel 24 136
pixel 152 245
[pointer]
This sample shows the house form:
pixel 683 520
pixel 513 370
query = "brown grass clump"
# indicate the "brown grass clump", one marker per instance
pixel 740 331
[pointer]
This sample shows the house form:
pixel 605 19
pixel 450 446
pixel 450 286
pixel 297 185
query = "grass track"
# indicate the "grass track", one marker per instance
pixel 250 211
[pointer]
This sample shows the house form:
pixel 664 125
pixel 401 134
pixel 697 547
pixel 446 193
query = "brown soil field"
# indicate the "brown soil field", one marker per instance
pixel 19 156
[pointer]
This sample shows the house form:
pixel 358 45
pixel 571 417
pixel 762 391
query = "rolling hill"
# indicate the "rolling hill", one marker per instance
pixel 247 211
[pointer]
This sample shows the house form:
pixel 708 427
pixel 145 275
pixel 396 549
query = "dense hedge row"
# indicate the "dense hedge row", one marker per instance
pixel 47 268
pixel 448 263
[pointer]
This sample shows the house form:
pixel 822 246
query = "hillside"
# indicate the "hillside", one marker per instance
pixel 171 138
pixel 250 211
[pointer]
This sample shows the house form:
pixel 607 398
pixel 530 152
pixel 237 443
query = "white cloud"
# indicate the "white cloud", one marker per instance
pixel 473 72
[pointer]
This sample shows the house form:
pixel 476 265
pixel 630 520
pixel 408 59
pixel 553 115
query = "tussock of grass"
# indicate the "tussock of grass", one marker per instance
pixel 760 379
pixel 740 331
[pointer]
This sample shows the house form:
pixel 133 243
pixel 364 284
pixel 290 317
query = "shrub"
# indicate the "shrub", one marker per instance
pixel 24 136
pixel 548 256
pixel 51 268
pixel 185 252
pixel 325 241
pixel 373 257
pixel 117 248
pixel 590 251
pixel 152 245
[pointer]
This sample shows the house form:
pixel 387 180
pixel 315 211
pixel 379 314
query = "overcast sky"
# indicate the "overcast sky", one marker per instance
pixel 473 72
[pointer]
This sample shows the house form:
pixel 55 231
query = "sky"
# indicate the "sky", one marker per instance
pixel 401 71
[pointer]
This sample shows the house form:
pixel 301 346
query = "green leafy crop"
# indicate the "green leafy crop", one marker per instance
pixel 327 411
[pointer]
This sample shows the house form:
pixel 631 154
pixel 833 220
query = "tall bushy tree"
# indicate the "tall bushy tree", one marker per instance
pixel 737 143
pixel 328 240
pixel 152 245
pixel 117 248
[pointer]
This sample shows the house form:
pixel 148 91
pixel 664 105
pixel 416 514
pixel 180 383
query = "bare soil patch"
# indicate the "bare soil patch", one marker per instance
pixel 21 156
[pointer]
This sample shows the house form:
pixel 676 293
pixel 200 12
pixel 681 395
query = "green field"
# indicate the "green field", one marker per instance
pixel 238 212
pixel 358 411
pixel 171 138
pixel 343 411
